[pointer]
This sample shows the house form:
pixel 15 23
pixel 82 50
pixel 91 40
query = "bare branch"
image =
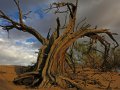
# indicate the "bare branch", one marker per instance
pixel 36 34
pixel 20 12
pixel 80 23
pixel 19 26
pixel 71 13
pixel 58 27
pixel 111 36
pixel 26 14
pixel 9 27
pixel 48 35
pixel 4 16
pixel 71 8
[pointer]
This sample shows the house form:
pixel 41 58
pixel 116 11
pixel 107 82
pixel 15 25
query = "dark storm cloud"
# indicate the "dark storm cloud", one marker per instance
pixel 9 4
pixel 104 13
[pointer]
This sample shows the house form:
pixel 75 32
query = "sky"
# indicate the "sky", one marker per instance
pixel 20 47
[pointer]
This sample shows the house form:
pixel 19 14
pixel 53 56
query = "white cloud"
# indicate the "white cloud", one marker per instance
pixel 10 53
pixel 1 40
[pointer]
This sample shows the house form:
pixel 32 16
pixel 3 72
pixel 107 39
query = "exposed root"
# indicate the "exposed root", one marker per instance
pixel 28 73
pixel 73 83
pixel 45 82
pixel 26 79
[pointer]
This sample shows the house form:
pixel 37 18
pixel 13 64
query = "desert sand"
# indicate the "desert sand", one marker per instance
pixel 104 80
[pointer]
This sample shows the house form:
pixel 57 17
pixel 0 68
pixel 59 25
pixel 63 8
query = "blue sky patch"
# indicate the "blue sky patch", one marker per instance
pixel 31 40
pixel 14 16
pixel 4 22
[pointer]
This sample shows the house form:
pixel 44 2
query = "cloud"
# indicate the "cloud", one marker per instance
pixel 103 13
pixel 20 47
pixel 16 51
pixel 12 53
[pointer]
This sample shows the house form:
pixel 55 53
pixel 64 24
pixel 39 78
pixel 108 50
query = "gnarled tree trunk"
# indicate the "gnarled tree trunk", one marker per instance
pixel 50 66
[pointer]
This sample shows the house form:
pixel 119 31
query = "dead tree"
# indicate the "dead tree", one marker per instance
pixel 50 66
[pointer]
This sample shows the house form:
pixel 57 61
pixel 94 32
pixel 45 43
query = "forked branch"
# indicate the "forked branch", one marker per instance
pixel 20 12
pixel 20 25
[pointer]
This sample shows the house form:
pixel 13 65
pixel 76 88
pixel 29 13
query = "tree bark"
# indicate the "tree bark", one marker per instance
pixel 50 66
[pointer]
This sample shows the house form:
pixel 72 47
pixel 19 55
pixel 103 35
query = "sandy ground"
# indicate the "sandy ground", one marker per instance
pixel 7 74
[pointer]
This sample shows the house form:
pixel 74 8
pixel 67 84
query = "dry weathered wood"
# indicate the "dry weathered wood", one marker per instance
pixel 52 54
pixel 77 85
